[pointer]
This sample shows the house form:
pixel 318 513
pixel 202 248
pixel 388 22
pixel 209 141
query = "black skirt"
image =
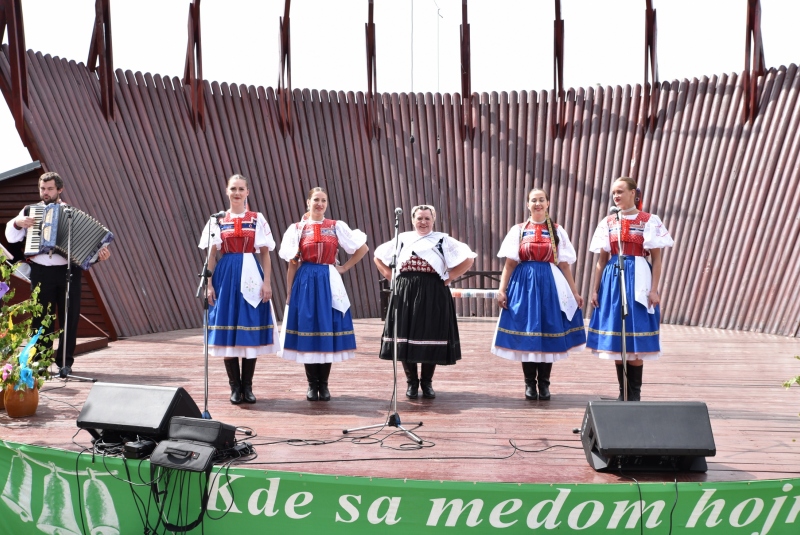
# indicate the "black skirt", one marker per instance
pixel 427 329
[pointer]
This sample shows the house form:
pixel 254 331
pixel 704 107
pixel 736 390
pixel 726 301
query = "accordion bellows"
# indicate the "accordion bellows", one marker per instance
pixel 72 233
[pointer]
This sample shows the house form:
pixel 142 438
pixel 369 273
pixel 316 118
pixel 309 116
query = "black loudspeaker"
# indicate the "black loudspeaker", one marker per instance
pixel 647 436
pixel 120 412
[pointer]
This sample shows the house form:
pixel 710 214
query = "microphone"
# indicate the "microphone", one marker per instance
pixel 219 214
pixel 615 210
pixel 398 211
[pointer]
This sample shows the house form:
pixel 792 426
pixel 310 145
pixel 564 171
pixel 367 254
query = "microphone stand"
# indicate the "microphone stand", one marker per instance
pixel 63 371
pixel 394 418
pixel 623 308
pixel 204 275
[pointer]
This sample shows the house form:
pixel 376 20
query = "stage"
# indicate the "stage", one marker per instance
pixel 479 408
pixel 490 459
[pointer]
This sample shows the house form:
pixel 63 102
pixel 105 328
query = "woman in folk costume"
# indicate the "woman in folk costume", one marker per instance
pixel 240 320
pixel 643 236
pixel 427 330
pixel 540 318
pixel 318 326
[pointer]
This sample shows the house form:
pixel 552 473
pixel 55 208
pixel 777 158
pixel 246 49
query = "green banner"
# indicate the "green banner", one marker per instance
pixel 56 491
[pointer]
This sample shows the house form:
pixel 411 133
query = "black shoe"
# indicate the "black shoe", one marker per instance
pixel 248 369
pixel 413 390
pixel 312 375
pixel 621 381
pixel 529 371
pixel 635 383
pixel 65 371
pixel 426 380
pixel 544 380
pixel 324 373
pixel 232 368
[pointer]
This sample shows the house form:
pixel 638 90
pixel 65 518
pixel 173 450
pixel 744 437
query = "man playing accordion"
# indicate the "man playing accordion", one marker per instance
pixel 49 271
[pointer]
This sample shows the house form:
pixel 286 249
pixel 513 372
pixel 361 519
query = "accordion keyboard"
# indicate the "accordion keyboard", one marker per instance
pixel 33 241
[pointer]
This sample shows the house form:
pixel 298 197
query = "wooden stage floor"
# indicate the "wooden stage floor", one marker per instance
pixel 479 409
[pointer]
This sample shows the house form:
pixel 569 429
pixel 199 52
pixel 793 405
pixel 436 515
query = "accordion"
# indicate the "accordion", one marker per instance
pixel 52 233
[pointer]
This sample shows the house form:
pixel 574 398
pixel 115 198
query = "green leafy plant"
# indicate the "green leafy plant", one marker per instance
pixel 25 355
pixel 796 380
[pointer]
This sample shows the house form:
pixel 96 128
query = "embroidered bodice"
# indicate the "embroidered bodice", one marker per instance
pixel 318 241
pixel 534 243
pixel 632 234
pixel 239 233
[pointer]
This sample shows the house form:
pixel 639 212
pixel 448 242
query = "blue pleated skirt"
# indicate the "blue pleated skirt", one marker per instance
pixel 315 331
pixel 235 328
pixel 533 327
pixel 605 327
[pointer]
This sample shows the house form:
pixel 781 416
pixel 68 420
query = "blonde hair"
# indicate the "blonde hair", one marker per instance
pixel 419 207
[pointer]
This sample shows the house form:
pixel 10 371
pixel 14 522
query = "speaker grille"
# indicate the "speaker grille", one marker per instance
pixel 131 410
pixel 647 435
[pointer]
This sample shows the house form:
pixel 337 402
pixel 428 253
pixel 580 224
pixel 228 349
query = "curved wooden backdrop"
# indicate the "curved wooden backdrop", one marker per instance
pixel 727 190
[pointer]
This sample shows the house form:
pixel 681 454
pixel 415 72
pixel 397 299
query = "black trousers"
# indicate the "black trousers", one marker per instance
pixel 52 281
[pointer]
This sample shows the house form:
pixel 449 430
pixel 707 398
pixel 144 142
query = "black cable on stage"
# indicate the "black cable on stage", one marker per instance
pixel 671 511
pixel 639 488
pixel 514 445
pixel 137 500
pixel 78 484
pixel 42 393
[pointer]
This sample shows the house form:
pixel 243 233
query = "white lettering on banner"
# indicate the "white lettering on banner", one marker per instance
pixel 716 509
pixel 349 508
pixel 773 514
pixel 575 515
pixel 637 510
pixel 218 490
pixel 456 508
pixel 550 520
pixel 735 518
pixel 495 518
pixel 304 498
pixel 792 516
pixel 391 514
pixel 269 505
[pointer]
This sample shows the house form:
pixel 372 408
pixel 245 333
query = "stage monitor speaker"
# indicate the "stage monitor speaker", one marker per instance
pixel 647 436
pixel 120 412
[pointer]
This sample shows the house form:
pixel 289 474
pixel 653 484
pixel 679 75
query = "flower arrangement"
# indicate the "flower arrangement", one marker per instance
pixel 21 367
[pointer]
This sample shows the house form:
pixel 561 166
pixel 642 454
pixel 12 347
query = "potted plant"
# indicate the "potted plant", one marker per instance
pixel 23 370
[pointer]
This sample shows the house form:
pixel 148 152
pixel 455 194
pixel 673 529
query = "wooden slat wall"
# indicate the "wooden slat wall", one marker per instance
pixel 729 192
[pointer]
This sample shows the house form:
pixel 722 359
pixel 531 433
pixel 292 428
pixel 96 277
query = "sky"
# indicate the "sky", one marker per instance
pixel 417 42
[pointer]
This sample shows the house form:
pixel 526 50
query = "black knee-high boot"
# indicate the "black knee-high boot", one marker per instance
pixel 544 379
pixel 232 367
pixel 529 371
pixel 621 381
pixel 426 381
pixel 312 375
pixel 412 378
pixel 323 374
pixel 248 369
pixel 635 383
